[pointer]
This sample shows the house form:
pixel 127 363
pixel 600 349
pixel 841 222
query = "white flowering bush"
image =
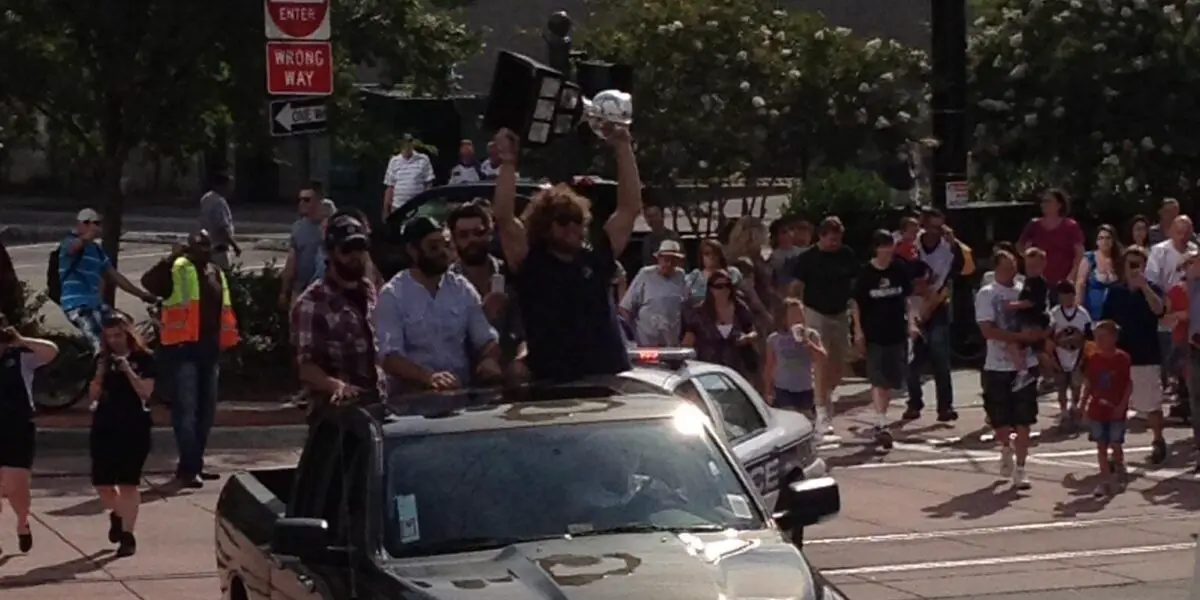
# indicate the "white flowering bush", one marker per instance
pixel 736 87
pixel 1100 94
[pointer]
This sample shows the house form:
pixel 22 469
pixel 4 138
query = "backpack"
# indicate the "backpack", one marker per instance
pixel 53 281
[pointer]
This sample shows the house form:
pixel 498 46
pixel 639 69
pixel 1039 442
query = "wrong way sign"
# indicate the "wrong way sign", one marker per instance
pixel 297 19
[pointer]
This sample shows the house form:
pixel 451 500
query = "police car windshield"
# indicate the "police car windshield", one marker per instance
pixel 470 491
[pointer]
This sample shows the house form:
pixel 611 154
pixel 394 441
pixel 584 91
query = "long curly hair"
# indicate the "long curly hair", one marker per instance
pixel 549 204
pixel 747 238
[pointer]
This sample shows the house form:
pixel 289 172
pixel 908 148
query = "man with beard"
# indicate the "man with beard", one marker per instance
pixel 429 323
pixel 331 322
pixel 197 325
pixel 471 229
pixel 563 283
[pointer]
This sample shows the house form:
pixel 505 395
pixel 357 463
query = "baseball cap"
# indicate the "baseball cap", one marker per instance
pixel 345 229
pixel 415 230
pixel 87 215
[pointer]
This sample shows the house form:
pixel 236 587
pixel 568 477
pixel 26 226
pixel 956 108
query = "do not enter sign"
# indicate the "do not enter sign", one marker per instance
pixel 296 19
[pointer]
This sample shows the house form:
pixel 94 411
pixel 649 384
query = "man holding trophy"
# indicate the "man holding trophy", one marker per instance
pixel 562 275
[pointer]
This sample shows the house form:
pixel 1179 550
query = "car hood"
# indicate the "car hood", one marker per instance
pixel 664 566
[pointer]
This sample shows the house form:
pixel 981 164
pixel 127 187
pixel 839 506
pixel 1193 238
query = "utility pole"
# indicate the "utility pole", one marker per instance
pixel 949 87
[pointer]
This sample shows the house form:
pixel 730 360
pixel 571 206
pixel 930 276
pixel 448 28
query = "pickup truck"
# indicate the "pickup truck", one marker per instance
pixel 555 492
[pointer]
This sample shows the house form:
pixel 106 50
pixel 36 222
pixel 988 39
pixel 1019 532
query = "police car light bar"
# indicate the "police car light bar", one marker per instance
pixel 664 356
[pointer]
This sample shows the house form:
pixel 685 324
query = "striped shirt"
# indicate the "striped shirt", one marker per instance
pixel 81 277
pixel 407 177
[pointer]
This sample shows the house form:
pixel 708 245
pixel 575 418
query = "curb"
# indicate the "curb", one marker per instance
pixel 75 440
pixel 18 235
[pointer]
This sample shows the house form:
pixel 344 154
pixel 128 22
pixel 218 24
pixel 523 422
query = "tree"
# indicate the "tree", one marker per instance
pixel 110 76
pixel 1100 95
pixel 729 88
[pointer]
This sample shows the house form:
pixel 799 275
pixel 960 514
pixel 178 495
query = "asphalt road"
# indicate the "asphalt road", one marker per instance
pixel 933 519
pixel 133 261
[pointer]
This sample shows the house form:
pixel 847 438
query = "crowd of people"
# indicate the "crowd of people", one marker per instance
pixel 1113 331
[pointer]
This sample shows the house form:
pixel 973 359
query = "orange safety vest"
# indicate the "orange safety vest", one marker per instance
pixel 181 312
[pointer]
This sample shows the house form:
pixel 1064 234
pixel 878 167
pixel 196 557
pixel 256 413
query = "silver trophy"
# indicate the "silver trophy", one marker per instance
pixel 609 107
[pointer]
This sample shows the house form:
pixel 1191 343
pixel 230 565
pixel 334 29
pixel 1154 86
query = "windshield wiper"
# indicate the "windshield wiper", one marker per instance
pixel 463 545
pixel 649 528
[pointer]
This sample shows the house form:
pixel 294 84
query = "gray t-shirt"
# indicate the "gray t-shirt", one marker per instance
pixel 306 242
pixel 780 258
pixel 793 361
pixel 216 219
pixel 656 301
pixel 989 307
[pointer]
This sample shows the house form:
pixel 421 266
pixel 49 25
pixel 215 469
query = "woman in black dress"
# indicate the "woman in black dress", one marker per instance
pixel 120 436
pixel 19 357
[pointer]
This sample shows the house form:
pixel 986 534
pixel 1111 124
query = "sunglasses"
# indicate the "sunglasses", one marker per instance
pixel 478 232
pixel 1134 264
pixel 721 285
pixel 354 246
pixel 96 223
pixel 565 219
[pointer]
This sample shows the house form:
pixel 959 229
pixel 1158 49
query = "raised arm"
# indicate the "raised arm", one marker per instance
pixel 513 240
pixel 629 191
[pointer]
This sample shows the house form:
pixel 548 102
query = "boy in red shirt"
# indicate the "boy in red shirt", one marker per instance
pixel 906 239
pixel 1107 386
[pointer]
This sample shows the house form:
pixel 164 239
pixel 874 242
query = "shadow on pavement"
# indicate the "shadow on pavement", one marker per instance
pixel 983 502
pixel 61 572
pixel 150 493
pixel 1080 489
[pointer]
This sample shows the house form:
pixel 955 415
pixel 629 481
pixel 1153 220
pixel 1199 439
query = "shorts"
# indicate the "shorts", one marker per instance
pixel 1006 407
pixel 118 455
pixel 834 331
pixel 1107 432
pixel 89 322
pixel 1147 389
pixel 17 442
pixel 797 401
pixel 886 365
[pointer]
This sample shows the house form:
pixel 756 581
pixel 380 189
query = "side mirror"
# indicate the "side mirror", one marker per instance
pixel 305 539
pixel 808 502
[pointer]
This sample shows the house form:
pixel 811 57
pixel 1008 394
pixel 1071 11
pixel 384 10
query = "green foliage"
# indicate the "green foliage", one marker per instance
pixel 1101 96
pixel 737 87
pixel 860 198
pixel 264 354
pixel 179 78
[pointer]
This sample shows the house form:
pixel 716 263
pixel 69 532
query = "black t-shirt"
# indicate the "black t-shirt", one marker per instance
pixel 1139 324
pixel 882 298
pixel 1037 291
pixel 827 276
pixel 119 406
pixel 567 310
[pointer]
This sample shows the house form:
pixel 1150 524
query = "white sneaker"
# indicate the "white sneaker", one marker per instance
pixel 1006 461
pixel 1018 479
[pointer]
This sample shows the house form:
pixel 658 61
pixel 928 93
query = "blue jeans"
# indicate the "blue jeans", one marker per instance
pixel 932 347
pixel 193 410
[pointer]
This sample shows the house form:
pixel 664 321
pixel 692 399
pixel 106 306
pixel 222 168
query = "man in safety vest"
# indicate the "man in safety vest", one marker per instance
pixel 197 325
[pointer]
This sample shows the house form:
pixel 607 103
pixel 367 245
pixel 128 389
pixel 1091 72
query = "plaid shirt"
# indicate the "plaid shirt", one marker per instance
pixel 330 331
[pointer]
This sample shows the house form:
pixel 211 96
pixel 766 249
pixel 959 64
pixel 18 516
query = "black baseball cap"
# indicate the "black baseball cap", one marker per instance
pixel 344 229
pixel 415 230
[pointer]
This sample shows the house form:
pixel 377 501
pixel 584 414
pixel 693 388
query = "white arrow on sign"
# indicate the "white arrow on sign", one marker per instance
pixel 290 116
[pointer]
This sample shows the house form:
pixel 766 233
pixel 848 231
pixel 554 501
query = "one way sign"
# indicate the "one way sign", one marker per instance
pixel 295 117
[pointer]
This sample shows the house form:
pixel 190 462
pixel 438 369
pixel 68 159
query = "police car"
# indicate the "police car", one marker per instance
pixel 775 446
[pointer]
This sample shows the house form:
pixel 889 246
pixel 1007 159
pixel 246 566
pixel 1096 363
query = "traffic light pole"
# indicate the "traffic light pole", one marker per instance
pixel 949 87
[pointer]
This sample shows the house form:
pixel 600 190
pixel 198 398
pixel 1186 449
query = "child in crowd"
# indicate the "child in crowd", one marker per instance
pixel 1108 384
pixel 1030 308
pixel 906 238
pixel 1070 324
pixel 791 352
